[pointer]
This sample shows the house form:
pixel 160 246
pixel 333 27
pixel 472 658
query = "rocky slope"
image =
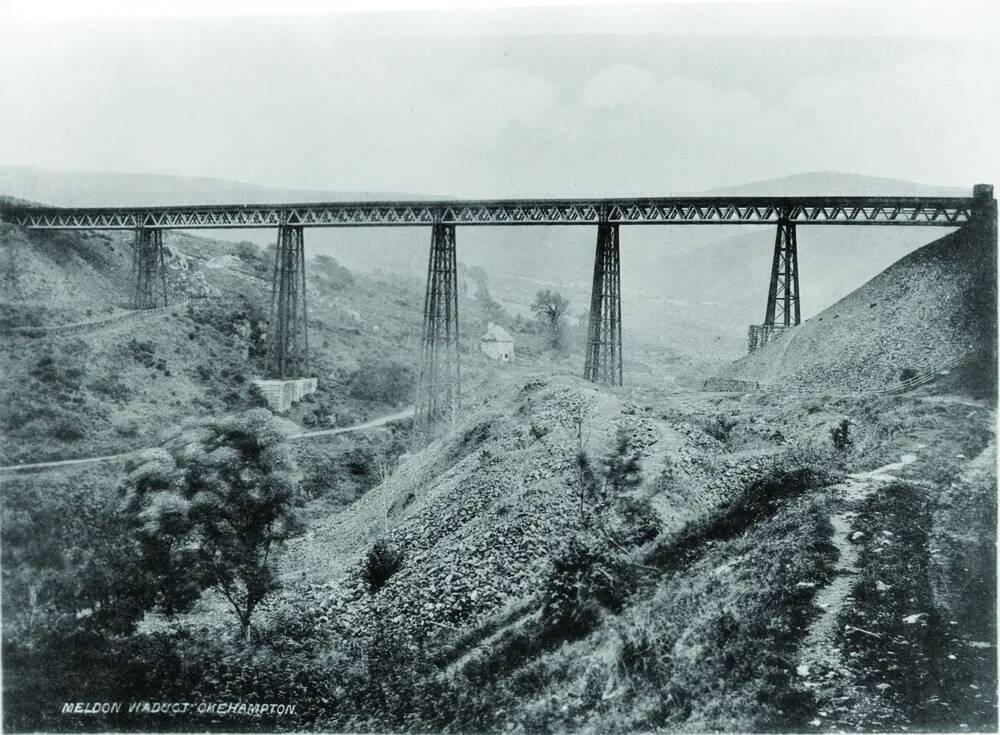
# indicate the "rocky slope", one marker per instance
pixel 478 514
pixel 930 307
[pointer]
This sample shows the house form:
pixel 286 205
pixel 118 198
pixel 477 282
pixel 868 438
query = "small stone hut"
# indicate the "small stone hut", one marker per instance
pixel 497 343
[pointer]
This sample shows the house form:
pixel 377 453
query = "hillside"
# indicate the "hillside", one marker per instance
pixel 482 587
pixel 935 304
pixel 57 277
pixel 111 383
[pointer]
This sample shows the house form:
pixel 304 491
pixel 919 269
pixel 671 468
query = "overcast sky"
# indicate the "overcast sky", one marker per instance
pixel 497 104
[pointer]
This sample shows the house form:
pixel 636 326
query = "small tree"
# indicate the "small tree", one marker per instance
pixel 489 309
pixel 604 490
pixel 211 508
pixel 549 307
pixel 840 435
pixel 381 562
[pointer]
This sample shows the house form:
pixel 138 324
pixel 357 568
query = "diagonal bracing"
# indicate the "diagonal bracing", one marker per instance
pixel 149 276
pixel 439 383
pixel 288 343
pixel 603 360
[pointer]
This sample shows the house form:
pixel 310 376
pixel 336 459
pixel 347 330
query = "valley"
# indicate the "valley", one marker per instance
pixel 813 552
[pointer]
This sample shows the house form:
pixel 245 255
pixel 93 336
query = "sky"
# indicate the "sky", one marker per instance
pixel 509 103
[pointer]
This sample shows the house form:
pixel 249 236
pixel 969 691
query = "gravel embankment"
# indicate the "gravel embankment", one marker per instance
pixel 934 305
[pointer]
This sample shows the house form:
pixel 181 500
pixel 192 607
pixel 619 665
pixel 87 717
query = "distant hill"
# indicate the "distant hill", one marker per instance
pixel 97 189
pixel 822 183
pixel 935 304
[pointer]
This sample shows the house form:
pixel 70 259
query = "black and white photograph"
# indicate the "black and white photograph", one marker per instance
pixel 498 367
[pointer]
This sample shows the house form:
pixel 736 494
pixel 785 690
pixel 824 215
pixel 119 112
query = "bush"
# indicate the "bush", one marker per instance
pixel 331 273
pixel 720 427
pixel 60 374
pixel 125 425
pixel 111 386
pixel 840 436
pixel 143 352
pixel 68 430
pixel 381 562
pixel 585 577
pixel 385 381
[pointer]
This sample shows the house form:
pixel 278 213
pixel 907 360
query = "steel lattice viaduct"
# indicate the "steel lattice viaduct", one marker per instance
pixel 439 385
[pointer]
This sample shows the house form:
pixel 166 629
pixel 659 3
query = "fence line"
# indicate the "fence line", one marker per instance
pixel 62 330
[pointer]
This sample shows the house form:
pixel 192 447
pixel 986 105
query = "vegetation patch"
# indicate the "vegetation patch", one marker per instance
pixel 381 562
pixel 901 644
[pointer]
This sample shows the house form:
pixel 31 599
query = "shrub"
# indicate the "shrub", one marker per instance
pixel 641 521
pixel 840 436
pixel 907 374
pixel 59 373
pixel 143 352
pixel 385 381
pixel 720 427
pixel 331 273
pixel 68 430
pixel 125 425
pixel 585 576
pixel 381 562
pixel 111 386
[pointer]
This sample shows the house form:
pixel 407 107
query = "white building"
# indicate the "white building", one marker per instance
pixel 497 343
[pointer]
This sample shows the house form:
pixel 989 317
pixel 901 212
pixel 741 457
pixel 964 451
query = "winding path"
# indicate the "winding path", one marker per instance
pixel 820 662
pixel 372 424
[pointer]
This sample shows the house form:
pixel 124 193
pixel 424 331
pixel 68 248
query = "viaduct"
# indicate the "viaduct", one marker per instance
pixel 438 392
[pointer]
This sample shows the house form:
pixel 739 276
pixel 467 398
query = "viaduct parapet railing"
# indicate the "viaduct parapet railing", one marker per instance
pixel 439 384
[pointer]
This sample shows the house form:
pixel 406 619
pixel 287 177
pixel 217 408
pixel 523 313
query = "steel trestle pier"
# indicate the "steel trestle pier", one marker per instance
pixel 288 342
pixel 439 386
pixel 603 360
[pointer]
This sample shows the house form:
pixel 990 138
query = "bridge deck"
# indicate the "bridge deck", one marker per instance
pixel 809 210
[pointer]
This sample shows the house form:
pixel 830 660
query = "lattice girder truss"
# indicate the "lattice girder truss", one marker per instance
pixel 934 211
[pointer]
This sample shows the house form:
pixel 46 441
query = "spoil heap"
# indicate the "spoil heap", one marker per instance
pixel 934 305
pixel 477 514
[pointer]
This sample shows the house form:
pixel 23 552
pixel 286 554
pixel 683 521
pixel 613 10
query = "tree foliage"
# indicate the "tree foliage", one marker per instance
pixel 488 308
pixel 549 308
pixel 385 381
pixel 209 509
pixel 330 273
pixel 381 562
pixel 71 568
